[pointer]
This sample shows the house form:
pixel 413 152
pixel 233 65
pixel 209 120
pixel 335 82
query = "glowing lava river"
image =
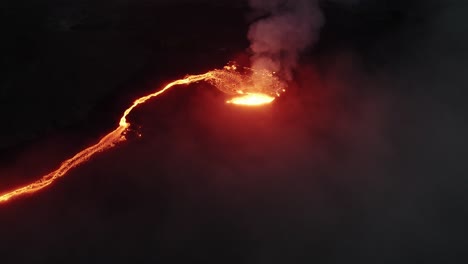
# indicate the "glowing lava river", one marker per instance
pixel 250 89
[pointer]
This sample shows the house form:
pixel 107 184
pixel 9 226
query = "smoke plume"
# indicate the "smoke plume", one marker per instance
pixel 285 29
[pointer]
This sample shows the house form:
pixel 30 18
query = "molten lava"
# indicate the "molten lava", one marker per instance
pixel 263 86
pixel 253 99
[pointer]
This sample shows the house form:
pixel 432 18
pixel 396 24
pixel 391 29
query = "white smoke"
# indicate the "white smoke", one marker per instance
pixel 290 26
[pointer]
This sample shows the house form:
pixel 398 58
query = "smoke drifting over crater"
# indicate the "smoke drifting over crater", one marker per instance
pixel 285 29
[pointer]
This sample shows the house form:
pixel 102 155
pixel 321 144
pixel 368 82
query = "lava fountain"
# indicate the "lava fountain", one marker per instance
pixel 249 87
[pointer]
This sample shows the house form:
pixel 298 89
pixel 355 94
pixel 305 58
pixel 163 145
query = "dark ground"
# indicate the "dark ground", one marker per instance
pixel 364 160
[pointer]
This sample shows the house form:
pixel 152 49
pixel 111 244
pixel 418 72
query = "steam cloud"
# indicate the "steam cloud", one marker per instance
pixel 287 28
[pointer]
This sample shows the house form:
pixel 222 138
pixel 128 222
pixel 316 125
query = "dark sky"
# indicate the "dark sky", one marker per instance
pixel 363 160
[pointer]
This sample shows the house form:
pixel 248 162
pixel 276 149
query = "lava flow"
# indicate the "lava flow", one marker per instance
pixel 256 88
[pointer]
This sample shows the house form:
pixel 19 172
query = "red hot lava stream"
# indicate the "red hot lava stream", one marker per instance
pixel 256 88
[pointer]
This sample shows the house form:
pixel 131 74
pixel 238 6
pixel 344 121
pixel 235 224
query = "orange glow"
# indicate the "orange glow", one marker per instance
pixel 228 80
pixel 253 99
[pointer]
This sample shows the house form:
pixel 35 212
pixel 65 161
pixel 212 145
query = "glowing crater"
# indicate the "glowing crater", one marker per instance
pixel 251 99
